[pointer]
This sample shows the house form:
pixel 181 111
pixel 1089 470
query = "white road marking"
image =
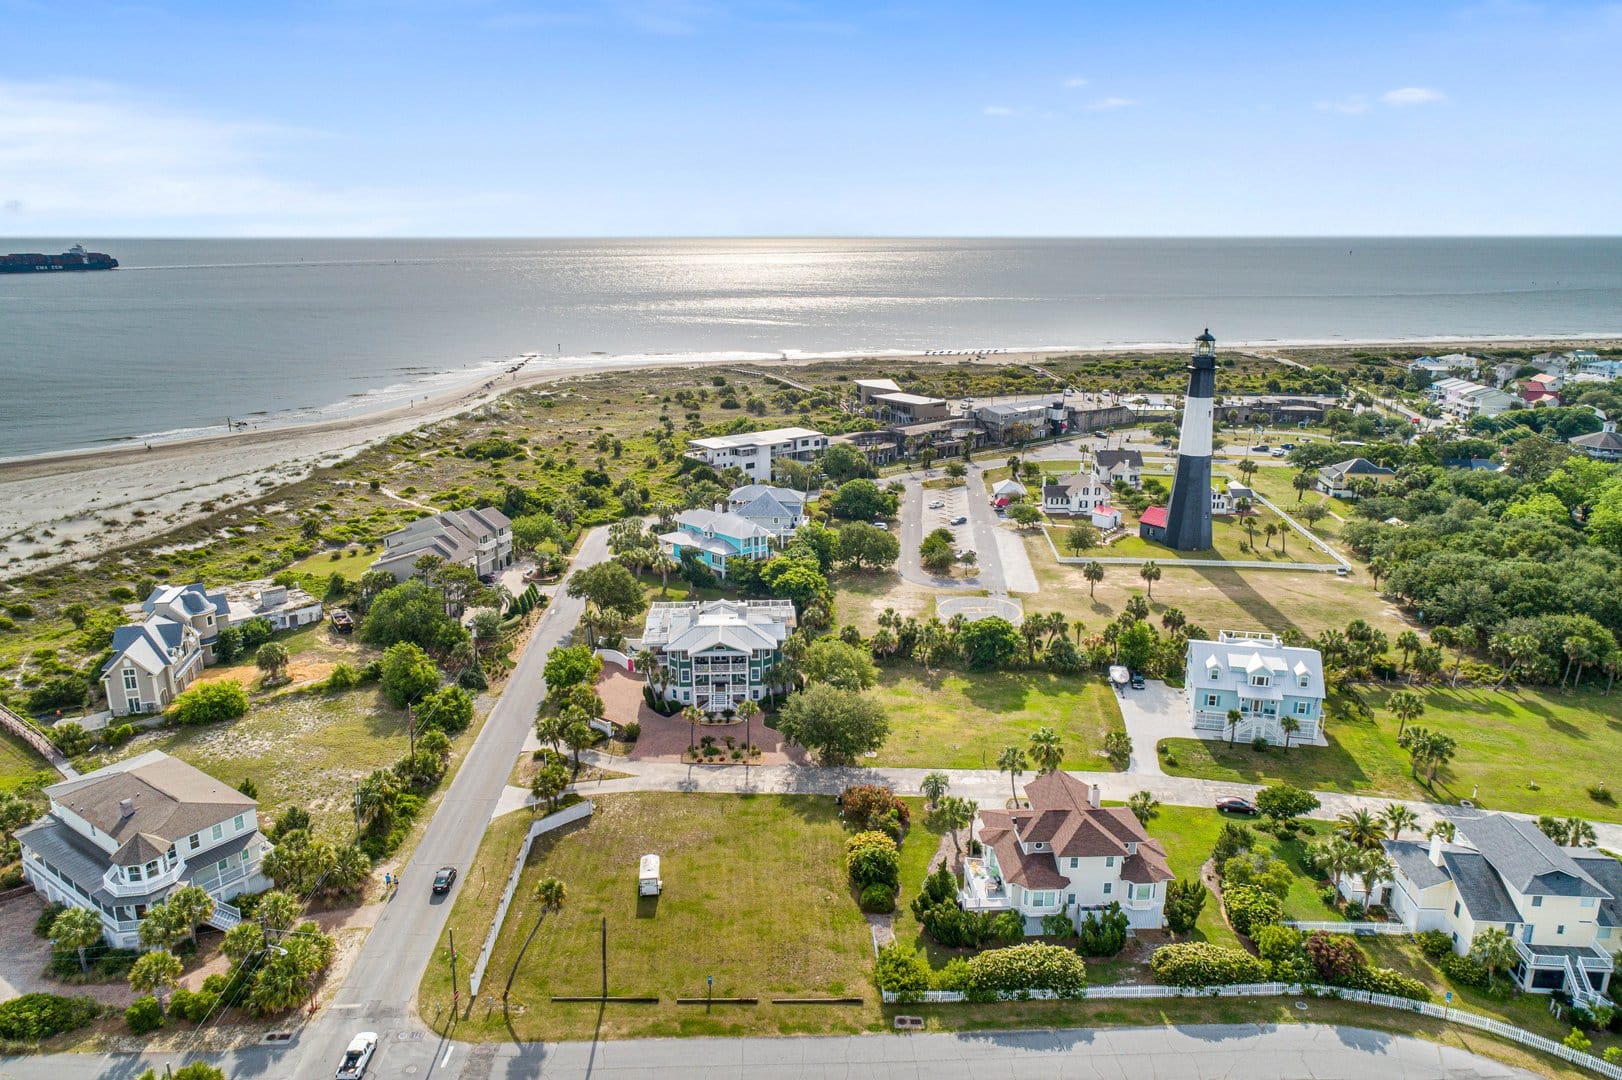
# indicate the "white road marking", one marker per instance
pixel 447 1058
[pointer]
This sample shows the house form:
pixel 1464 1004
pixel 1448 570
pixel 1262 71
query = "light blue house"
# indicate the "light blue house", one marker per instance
pixel 1262 678
pixel 717 536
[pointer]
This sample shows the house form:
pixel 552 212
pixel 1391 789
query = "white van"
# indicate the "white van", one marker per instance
pixel 649 883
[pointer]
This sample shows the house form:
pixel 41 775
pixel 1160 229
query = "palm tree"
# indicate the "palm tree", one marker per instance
pixel 1136 608
pixel 1397 817
pixel 549 728
pixel 665 564
pixel 192 907
pixel 1144 806
pixel 1094 573
pixel 645 660
pixel 692 714
pixel 1270 531
pixel 1012 761
pixel 1173 619
pixel 551 893
pixel 78 929
pixel 1372 867
pixel 1443 828
pixel 1407 706
pixel 1249 524
pixel 1494 950
pixel 1234 716
pixel 1337 855
pixel 157 971
pixel 1361 828
pixel 1047 750
pixel 1567 832
pixel 1150 573
pixel 1289 725
pixel 748 710
pixel 1302 482
pixel 934 787
pixel 1408 642
pixel 953 814
pixel 271 658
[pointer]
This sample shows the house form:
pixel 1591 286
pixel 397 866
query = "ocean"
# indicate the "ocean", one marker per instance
pixel 190 332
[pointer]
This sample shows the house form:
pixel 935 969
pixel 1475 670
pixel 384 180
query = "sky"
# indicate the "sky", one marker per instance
pixel 793 117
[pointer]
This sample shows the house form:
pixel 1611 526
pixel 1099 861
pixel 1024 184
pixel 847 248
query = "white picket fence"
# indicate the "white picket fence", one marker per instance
pixel 544 825
pixel 1274 989
pixel 1393 928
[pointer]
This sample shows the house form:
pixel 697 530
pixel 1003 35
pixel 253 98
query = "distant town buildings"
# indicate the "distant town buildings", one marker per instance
pixel 754 452
pixel 1603 445
pixel 719 653
pixel 1463 399
pixel 479 539
pixel 1264 679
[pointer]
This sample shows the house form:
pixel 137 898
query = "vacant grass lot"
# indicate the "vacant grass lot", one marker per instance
pixel 1228 533
pixel 860 598
pixel 1520 750
pixel 755 896
pixel 1216 598
pixel 351 563
pixel 20 765
pixel 304 749
pixel 962 720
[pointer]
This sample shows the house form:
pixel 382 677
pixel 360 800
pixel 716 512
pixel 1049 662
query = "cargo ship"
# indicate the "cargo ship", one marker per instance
pixel 75 258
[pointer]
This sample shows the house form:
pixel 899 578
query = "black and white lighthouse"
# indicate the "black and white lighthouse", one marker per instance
pixel 1188 516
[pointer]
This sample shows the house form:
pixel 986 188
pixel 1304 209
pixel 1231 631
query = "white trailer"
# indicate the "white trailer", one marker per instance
pixel 649 883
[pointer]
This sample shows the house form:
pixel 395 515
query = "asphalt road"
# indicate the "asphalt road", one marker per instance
pixel 1194 1052
pixel 979 535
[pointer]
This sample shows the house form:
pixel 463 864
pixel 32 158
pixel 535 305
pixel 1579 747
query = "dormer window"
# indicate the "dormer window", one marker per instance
pixel 1261 680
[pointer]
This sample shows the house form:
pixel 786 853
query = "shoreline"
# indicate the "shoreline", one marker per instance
pixel 134 492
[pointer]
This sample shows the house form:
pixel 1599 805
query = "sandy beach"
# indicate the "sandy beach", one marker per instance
pixel 62 508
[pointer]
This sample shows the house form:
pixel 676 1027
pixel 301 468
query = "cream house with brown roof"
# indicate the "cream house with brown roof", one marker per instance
pixel 1066 853
pixel 121 839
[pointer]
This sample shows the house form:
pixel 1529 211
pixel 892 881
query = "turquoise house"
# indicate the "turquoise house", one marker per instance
pixel 717 536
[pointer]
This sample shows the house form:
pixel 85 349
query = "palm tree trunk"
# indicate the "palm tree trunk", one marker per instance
pixel 84 965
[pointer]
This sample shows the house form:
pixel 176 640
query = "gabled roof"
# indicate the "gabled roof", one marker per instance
pixel 167 800
pixel 1356 467
pixel 146 644
pixel 1607 871
pixel 764 506
pixel 1413 861
pixel 1598 440
pixel 1528 861
pixel 1108 459
pixel 787 496
pixel 1479 887
pixel 190 599
pixel 723 523
pixel 1154 517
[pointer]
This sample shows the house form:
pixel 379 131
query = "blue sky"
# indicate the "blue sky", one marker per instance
pixel 791 117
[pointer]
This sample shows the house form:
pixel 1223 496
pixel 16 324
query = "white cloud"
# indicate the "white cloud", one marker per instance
pixel 998 110
pixel 1075 82
pixel 1404 96
pixel 1108 104
pixel 1355 105
pixel 75 155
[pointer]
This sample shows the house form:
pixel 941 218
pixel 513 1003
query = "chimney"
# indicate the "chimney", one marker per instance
pixel 720 508
pixel 1436 849
pixel 126 807
pixel 1093 796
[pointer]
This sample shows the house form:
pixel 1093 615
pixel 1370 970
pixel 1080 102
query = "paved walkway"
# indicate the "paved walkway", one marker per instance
pixel 1192 1052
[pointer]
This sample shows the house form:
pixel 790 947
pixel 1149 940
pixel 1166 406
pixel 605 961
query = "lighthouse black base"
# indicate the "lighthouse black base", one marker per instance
pixel 1188 514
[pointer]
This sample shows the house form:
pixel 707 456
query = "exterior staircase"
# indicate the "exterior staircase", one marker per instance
pixel 225 916
pixel 1577 986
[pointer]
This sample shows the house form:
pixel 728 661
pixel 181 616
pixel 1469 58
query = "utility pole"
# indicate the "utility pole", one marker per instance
pixel 605 957
pixel 456 995
pixel 411 729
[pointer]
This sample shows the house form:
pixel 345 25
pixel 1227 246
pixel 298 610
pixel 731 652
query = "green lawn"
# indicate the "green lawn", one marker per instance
pixel 1227 534
pixel 962 720
pixel 1519 750
pixel 298 748
pixel 20 764
pixel 754 895
pixel 351 563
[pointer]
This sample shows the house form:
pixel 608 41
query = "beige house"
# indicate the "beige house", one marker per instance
pixel 122 838
pixel 152 661
pixel 480 539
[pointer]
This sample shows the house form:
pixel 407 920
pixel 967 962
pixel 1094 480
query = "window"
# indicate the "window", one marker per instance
pixel 1071 899
pixel 236 823
pixel 1455 908
pixel 1109 860
pixel 129 679
pixel 1261 680
pixel 218 831
pixel 1589 901
pixel 1303 708
pixel 1074 863
pixel 1561 929
pixel 1213 701
pixel 1537 901
pixel 1302 680
pixel 196 841
pixel 1108 886
pixel 133 873
pixel 1143 892
pixel 221 865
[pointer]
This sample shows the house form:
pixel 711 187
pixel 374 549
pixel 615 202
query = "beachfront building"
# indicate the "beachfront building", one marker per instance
pixel 1261 677
pixel 754 452
pixel 191 605
pixel 778 510
pixel 1602 445
pixel 480 539
pixel 1344 479
pixel 1023 419
pixel 153 660
pixel 1559 905
pixel 868 389
pixel 121 839
pixel 1065 853
pixel 284 607
pixel 716 654
pixel 1443 366
pixel 902 408
pixel 716 536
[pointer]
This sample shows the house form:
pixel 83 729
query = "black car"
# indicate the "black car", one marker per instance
pixel 444 879
pixel 1233 804
pixel 1137 681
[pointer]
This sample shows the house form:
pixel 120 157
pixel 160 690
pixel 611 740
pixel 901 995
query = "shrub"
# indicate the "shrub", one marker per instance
pixel 1600 793
pixel 1200 963
pixel 1102 935
pixel 144 1016
pixel 1613 1055
pixel 42 925
pixel 39 1016
pixel 1232 840
pixel 1433 943
pixel 1262 871
pixel 1278 942
pixel 901 970
pixel 1010 971
pixel 630 731
pixel 343 677
pixel 866 806
pixel 209 703
pixel 1381 980
pixel 1336 958
pixel 1184 902
pixel 118 736
pixel 1330 896
pixel 71 738
pixel 871 858
pixel 192 1005
pixel 472 678
pixel 1281 801
pixel 1464 971
pixel 1578 1041
pixel 1354 910
pixel 878 900
pixel 1250 908
pixel 938 888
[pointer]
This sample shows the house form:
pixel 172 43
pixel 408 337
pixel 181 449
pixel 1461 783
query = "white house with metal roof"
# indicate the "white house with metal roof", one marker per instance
pixel 1261 677
pixel 1560 905
pixel 121 839
pixel 719 653
pixel 778 510
pixel 754 452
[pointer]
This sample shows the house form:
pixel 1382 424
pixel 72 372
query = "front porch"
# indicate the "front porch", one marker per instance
pixel 1583 972
pixel 983 888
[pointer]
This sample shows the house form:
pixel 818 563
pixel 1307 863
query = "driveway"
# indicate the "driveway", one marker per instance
pixel 1156 712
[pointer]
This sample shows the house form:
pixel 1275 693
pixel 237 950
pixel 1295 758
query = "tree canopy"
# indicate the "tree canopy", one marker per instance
pixel 836 725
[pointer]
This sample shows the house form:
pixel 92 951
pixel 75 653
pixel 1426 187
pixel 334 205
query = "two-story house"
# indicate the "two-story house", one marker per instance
pixel 754 452
pixel 480 539
pixel 152 661
pixel 1084 494
pixel 1343 477
pixel 205 612
pixel 121 839
pixel 1123 466
pixel 1260 676
pixel 716 536
pixel 1065 853
pixel 719 653
pixel 778 510
pixel 1558 904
